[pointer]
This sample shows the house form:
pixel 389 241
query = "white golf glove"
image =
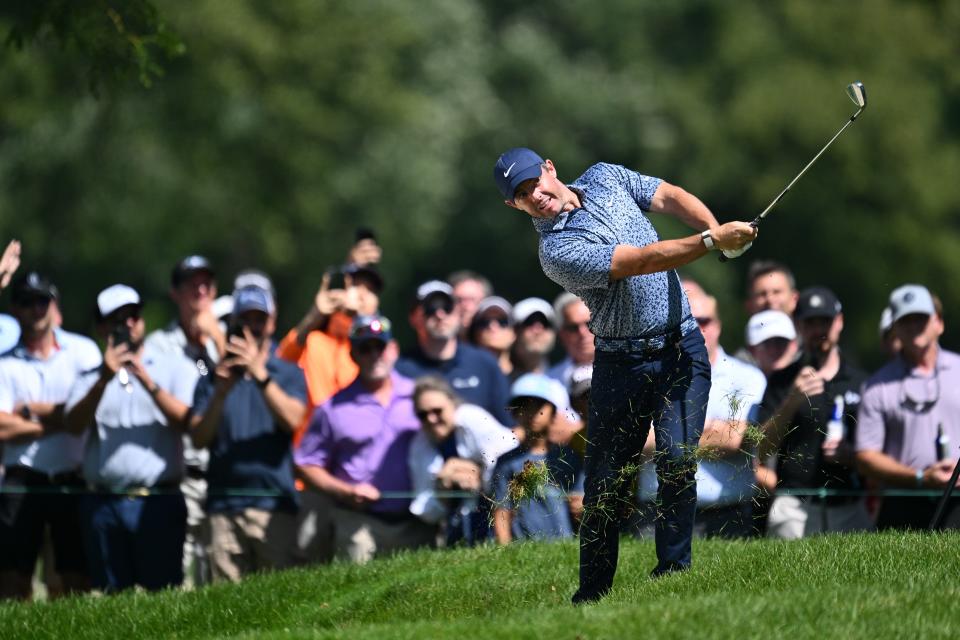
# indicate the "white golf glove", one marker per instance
pixel 730 254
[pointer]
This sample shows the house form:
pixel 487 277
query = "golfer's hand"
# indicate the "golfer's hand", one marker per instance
pixel 734 237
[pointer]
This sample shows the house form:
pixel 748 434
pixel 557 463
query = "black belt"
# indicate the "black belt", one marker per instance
pixel 648 345
pixel 32 476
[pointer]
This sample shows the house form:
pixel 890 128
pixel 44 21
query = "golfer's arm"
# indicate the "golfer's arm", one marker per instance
pixel 686 207
pixel 659 256
pixel 880 466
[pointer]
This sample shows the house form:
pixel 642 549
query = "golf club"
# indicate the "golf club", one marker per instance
pixel 858 94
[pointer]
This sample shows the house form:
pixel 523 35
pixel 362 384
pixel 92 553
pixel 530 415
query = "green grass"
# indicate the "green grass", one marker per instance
pixel 863 586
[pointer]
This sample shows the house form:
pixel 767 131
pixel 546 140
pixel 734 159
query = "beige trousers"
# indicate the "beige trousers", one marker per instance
pixel 251 540
pixel 360 537
pixel 792 518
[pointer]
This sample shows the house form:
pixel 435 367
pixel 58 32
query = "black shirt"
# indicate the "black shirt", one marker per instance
pixel 800 463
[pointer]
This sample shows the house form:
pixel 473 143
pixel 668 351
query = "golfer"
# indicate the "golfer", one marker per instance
pixel 651 364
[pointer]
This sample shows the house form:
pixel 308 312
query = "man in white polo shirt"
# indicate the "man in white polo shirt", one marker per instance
pixel 39 458
pixel 134 411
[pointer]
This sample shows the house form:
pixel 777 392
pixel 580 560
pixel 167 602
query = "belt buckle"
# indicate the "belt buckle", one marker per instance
pixel 137 492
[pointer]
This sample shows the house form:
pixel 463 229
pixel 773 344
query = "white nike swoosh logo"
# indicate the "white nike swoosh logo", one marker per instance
pixel 509 169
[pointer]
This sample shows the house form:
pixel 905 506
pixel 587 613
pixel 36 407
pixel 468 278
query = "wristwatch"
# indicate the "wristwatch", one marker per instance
pixel 27 414
pixel 708 240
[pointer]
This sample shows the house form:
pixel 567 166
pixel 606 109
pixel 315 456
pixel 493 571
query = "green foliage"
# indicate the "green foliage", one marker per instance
pixel 853 586
pixel 113 39
pixel 286 125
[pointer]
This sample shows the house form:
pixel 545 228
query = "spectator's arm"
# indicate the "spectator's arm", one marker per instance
pixel 205 422
pixel 349 493
pixel 287 409
pixel 80 414
pixel 880 466
pixel 723 436
pixel 14 427
pixel 502 520
pixel 9 263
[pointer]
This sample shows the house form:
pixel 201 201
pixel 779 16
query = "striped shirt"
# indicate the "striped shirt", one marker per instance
pixel 576 252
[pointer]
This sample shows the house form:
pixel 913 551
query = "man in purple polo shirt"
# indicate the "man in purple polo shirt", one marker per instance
pixel 908 425
pixel 356 451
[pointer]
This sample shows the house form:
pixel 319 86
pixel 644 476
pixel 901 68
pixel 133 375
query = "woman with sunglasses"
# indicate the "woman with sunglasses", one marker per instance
pixel 455 451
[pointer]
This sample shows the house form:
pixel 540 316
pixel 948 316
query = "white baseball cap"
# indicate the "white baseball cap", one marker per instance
pixel 886 320
pixel 116 296
pixel 495 302
pixel 537 385
pixel 769 324
pixel 909 299
pixel 529 306
pixel 434 286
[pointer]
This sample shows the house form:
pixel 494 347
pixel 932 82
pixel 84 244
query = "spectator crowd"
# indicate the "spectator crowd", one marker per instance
pixel 216 446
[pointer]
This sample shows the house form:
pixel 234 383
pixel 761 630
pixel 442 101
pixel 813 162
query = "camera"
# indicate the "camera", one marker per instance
pixel 121 335
pixel 337 280
pixel 235 328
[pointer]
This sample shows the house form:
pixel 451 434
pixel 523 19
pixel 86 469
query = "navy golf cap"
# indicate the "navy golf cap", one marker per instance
pixel 515 166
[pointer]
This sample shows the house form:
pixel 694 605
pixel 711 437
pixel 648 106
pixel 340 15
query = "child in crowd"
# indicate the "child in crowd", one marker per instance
pixel 529 503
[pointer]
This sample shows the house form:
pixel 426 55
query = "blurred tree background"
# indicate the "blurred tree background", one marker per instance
pixel 263 133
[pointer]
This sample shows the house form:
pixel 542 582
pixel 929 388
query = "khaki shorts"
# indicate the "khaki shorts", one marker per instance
pixel 249 541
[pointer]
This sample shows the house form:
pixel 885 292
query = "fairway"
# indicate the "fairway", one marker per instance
pixel 863 586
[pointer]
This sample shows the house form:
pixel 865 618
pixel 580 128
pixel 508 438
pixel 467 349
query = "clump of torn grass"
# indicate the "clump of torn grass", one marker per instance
pixel 530 483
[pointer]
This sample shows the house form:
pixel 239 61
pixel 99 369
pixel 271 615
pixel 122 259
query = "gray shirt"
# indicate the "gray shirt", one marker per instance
pixel 576 251
pixel 131 444
pixel 900 411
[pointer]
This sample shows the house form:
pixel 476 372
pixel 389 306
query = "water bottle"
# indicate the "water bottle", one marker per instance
pixel 835 427
pixel 943 444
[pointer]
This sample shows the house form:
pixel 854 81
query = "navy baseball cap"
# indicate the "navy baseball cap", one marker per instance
pixel 515 166
pixel 252 298
pixel 374 327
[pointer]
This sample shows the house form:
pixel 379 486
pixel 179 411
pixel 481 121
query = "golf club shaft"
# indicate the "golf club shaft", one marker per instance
pixel 756 221
pixel 944 499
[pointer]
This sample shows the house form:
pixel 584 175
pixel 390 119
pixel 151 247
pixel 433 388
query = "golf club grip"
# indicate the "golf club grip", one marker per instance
pixel 755 223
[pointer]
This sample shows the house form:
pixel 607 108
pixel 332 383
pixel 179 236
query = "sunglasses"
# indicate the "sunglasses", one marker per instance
pixel 436 305
pixel 574 327
pixel 123 315
pixel 536 319
pixel 920 394
pixel 32 302
pixel 371 346
pixel 423 414
pixel 485 323
pixel 704 322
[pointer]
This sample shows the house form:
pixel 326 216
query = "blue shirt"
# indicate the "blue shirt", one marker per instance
pixel 546 515
pixel 473 373
pixel 250 450
pixel 576 251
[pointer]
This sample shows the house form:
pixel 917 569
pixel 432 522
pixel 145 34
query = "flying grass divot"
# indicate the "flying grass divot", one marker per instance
pixel 530 483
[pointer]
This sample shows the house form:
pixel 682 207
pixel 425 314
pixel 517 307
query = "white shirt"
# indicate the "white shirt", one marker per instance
pixel 736 389
pixel 132 445
pixel 25 378
pixel 479 438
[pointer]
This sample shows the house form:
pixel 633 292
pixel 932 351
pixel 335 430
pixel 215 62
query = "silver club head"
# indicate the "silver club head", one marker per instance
pixel 857 93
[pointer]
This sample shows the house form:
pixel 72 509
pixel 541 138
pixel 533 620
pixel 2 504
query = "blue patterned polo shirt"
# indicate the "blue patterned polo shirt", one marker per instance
pixel 576 251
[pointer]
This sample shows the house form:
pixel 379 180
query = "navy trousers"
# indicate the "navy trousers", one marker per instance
pixel 630 392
